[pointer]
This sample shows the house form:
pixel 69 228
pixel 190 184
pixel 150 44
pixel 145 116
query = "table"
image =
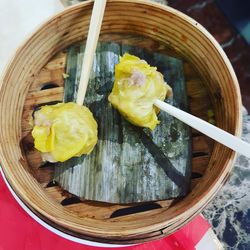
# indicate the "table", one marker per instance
pixel 18 230
pixel 228 213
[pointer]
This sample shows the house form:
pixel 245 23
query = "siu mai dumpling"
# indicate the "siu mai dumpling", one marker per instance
pixel 137 85
pixel 63 131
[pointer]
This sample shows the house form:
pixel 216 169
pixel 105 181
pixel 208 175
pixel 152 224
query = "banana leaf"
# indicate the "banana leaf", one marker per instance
pixel 129 164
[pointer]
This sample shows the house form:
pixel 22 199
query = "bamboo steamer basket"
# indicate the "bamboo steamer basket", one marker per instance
pixel 154 21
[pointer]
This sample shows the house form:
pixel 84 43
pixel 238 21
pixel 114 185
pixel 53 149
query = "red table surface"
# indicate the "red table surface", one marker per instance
pixel 18 231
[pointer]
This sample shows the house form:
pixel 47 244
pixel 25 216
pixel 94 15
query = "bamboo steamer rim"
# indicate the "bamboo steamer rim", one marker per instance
pixel 183 211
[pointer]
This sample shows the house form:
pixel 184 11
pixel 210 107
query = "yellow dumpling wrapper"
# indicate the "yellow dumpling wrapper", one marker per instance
pixel 137 85
pixel 63 131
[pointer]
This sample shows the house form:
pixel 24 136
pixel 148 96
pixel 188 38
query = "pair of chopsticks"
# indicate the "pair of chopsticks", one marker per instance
pixel 206 128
